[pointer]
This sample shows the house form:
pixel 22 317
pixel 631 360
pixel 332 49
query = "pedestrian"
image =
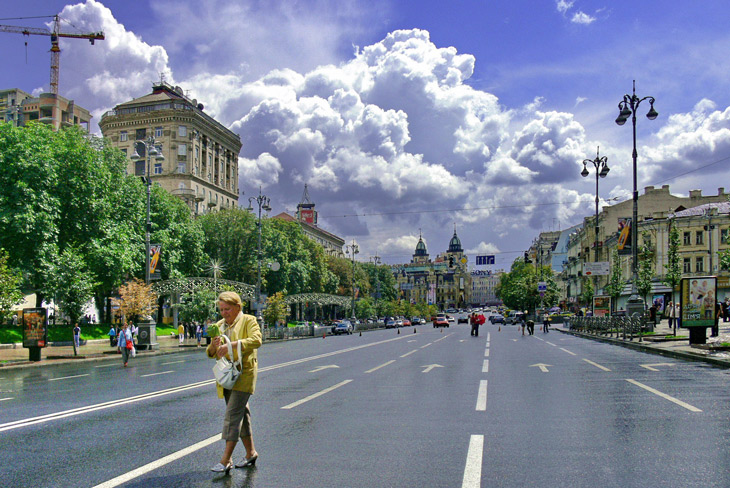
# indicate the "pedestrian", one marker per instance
pixel 77 335
pixel 112 335
pixel 726 310
pixel 15 319
pixel 474 325
pixel 545 323
pixel 125 344
pixel 181 333
pixel 530 326
pixel 198 333
pixel 652 314
pixel 242 330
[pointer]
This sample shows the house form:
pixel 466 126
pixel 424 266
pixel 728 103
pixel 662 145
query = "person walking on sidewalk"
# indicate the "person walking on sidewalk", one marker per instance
pixel 243 331
pixel 545 323
pixel 112 334
pixel 198 333
pixel 125 337
pixel 181 333
pixel 77 335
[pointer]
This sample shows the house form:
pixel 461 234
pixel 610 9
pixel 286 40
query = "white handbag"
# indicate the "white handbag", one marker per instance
pixel 226 371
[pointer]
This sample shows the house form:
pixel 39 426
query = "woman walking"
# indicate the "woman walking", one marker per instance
pixel 244 330
pixel 125 337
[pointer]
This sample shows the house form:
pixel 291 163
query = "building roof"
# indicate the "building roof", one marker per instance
pixel 312 228
pixel 701 210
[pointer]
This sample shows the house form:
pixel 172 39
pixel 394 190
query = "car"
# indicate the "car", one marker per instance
pixel 398 322
pixel 462 320
pixel 390 324
pixel 451 310
pixel 449 318
pixel 406 323
pixel 342 327
pixel 496 318
pixel 514 318
pixel 416 320
pixel 440 322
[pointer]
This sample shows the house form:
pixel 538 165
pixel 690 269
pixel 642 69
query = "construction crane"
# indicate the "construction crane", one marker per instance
pixel 55 49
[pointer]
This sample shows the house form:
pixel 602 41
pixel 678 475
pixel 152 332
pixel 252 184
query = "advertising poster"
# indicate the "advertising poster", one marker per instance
pixel 697 301
pixel 658 302
pixel 601 306
pixel 624 237
pixel 35 325
pixel 155 264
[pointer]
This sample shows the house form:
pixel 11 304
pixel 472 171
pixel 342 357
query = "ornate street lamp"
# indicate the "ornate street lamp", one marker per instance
pixel 150 149
pixel 627 107
pixel 602 169
pixel 263 203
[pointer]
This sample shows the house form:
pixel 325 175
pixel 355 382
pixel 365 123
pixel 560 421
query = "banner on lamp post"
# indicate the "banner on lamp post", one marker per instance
pixel 624 237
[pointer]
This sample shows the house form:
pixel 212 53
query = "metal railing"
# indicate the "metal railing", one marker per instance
pixel 625 328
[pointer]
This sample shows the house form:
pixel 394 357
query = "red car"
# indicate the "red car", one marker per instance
pixel 440 322
pixel 406 323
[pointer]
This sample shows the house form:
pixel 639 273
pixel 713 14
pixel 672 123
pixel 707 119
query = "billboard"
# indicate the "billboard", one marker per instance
pixel 601 306
pixel 35 327
pixel 624 237
pixel 697 301
pixel 600 268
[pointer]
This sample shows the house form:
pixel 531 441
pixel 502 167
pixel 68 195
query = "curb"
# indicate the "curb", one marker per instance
pixel 723 363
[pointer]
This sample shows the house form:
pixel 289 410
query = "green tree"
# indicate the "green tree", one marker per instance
pixel 673 269
pixel 10 294
pixel 586 294
pixel 616 283
pixel 198 307
pixel 646 266
pixel 518 288
pixel 276 309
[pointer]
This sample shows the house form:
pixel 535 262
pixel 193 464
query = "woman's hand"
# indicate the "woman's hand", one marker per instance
pixel 222 350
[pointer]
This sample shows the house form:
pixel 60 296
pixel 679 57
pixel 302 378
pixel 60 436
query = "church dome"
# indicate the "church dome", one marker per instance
pixel 421 248
pixel 455 244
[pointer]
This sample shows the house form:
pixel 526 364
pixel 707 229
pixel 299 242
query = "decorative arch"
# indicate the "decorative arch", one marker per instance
pixel 318 298
pixel 191 285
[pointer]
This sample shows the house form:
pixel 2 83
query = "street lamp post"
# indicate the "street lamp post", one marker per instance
pixel 263 203
pixel 353 249
pixel 602 169
pixel 376 261
pixel 150 150
pixel 627 108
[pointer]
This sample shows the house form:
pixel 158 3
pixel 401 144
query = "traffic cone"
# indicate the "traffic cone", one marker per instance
pixel 399 331
pixel 414 331
pixel 324 334
pixel 500 329
pixel 360 333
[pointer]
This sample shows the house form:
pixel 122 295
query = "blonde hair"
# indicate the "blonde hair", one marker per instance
pixel 231 298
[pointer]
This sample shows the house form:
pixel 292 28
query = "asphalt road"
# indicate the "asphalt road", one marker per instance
pixel 433 409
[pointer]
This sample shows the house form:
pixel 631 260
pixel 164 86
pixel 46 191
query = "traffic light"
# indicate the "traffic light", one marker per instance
pixel 527 258
pixel 451 261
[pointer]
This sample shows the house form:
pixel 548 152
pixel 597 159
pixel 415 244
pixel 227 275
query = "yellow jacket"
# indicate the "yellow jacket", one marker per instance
pixel 244 329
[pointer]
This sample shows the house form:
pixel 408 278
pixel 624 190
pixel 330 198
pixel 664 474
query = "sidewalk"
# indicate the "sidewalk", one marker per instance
pixel 679 349
pixel 96 350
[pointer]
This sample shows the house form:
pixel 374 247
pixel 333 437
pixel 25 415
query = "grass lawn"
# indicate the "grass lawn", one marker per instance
pixel 61 333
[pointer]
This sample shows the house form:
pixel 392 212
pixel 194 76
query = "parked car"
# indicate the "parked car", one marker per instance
pixel 449 318
pixel 406 323
pixel 390 324
pixel 496 318
pixel 440 322
pixel 342 327
pixel 399 322
pixel 462 320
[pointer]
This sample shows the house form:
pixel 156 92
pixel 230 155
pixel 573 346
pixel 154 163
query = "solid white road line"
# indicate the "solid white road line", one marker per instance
pixel 486 353
pixel 596 365
pixel 665 396
pixel 482 396
pixel 109 365
pixel 155 374
pixel 381 366
pixel 409 353
pixel 67 377
pixel 485 366
pixel 650 368
pixel 315 395
pixel 444 337
pixel 173 362
pixel 119 480
pixel 426 345
pixel 3 399
pixel 489 334
pixel 473 468
pixel 569 352
pixel 548 342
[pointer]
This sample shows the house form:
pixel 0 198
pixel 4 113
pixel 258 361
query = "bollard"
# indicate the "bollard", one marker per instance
pixel 399 331
pixel 414 331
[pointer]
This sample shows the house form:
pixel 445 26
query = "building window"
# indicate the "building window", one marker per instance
pixel 724 236
pixel 687 239
pixel 124 151
pixel 158 132
pixel 700 264
pixel 181 186
pixel 158 168
pixel 687 265
pixel 181 167
pixel 182 149
pixel 140 134
pixel 182 131
pixel 123 136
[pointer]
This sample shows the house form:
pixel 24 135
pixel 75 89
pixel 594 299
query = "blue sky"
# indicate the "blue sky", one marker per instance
pixel 401 114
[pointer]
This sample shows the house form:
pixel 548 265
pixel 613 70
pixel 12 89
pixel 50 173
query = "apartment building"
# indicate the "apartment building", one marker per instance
pixel 201 155
pixel 19 108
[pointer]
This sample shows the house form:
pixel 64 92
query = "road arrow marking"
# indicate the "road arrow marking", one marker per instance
pixel 649 366
pixel 543 367
pixel 429 367
pixel 320 368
